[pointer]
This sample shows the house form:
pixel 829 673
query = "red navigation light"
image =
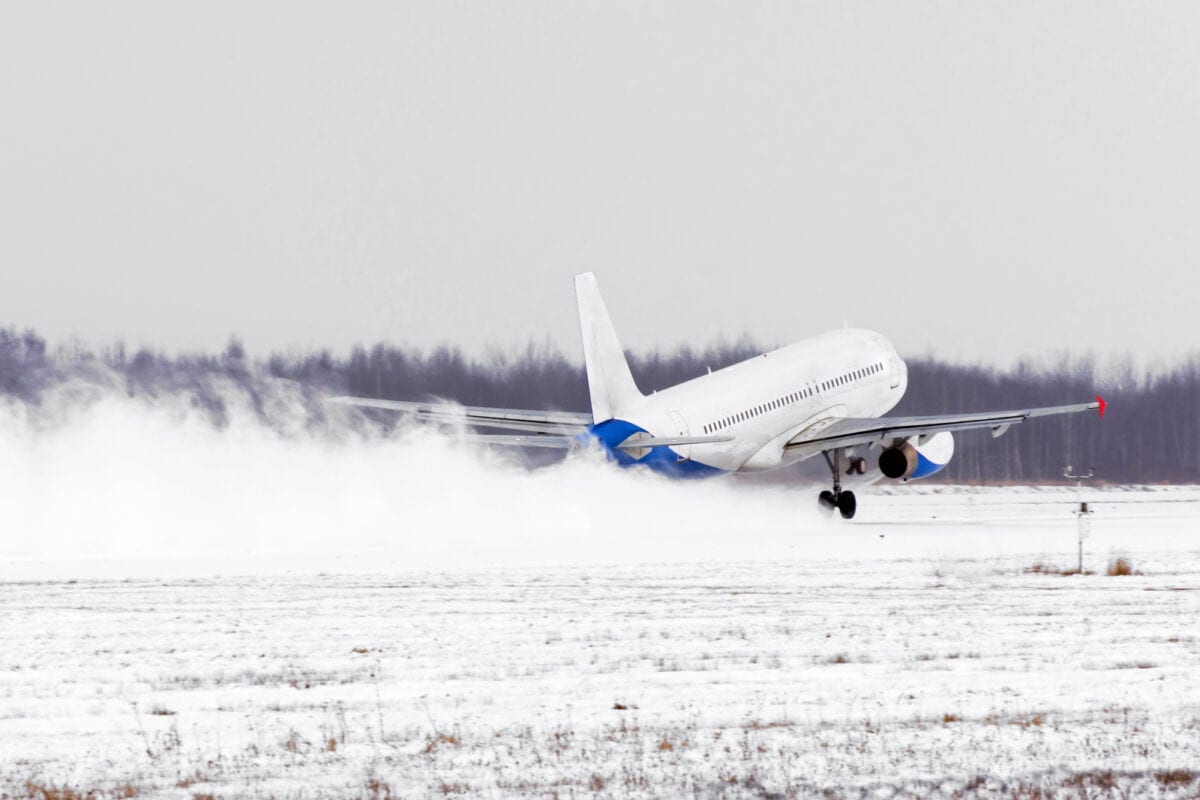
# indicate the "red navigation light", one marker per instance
pixel 1103 405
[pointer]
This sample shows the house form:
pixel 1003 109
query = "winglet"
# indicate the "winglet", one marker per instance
pixel 1101 404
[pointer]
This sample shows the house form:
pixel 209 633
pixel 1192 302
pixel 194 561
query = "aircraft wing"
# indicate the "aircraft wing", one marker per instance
pixel 564 423
pixel 557 429
pixel 552 440
pixel 848 431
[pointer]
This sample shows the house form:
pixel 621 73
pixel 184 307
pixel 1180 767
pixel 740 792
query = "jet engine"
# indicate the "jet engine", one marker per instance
pixel 918 457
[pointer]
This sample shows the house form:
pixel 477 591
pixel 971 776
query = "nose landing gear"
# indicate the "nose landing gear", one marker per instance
pixel 844 502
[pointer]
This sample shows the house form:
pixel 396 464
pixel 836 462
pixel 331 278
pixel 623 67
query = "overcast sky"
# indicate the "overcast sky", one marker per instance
pixel 976 180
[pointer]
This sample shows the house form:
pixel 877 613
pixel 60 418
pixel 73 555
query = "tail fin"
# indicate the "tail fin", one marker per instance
pixel 609 381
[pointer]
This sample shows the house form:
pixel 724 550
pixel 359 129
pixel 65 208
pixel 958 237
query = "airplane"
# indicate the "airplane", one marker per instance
pixel 827 395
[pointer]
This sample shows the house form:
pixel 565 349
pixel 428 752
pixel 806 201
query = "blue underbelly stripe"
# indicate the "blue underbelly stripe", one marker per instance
pixel 663 460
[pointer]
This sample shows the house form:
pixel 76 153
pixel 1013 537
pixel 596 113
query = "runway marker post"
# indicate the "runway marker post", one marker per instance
pixel 1084 513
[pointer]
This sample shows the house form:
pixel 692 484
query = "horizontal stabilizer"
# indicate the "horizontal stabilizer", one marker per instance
pixel 671 441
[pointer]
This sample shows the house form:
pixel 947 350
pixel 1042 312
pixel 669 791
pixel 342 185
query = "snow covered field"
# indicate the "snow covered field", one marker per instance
pixel 189 613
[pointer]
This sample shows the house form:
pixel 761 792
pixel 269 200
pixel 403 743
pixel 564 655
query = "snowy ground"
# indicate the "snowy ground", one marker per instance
pixel 910 650
pixel 188 613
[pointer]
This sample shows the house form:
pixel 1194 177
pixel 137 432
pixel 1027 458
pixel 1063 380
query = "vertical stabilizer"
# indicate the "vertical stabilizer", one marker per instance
pixel 609 381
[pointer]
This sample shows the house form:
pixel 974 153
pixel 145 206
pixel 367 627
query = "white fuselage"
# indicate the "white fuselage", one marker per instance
pixel 768 400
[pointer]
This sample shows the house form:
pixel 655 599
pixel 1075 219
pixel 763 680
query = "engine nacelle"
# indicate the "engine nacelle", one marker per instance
pixel 911 458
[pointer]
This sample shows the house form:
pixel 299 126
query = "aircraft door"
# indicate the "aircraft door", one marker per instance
pixel 681 429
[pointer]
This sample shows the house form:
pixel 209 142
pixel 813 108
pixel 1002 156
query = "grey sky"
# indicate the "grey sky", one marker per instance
pixel 979 180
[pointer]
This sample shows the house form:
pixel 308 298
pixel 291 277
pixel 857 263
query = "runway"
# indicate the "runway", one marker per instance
pixel 927 648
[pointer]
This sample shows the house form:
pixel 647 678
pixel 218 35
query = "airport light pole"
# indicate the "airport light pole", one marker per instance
pixel 1084 513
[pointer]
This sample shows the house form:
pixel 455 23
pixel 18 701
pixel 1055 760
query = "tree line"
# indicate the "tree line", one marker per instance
pixel 1151 432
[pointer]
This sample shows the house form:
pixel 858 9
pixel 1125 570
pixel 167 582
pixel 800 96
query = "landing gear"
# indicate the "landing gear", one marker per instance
pixel 847 504
pixel 844 502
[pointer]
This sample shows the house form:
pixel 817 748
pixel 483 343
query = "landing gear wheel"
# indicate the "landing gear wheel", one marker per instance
pixel 847 505
pixel 844 502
